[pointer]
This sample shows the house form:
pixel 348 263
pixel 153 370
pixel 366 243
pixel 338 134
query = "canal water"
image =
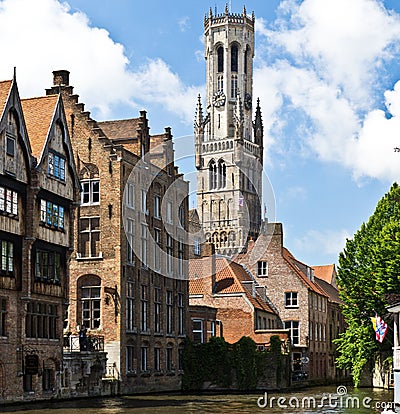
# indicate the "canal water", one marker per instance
pixel 313 400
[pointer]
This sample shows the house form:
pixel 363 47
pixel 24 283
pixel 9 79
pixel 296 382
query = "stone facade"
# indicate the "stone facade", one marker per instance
pixel 229 145
pixel 38 188
pixel 129 270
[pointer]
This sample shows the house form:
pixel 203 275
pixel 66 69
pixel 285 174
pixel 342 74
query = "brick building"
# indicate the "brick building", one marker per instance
pixel 242 307
pixel 301 303
pixel 38 187
pixel 129 269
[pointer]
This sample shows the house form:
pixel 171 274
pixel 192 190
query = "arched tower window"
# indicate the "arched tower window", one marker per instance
pixel 221 174
pixel 220 57
pixel 234 58
pixel 213 179
pixel 246 54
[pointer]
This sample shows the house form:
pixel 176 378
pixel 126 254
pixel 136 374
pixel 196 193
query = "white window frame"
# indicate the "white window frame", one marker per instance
pixel 130 306
pixel 200 331
pixel 90 192
pixel 130 195
pixel 262 268
pixel 130 237
pixel 291 326
pixel 291 299
pixel 143 201
pixel 157 207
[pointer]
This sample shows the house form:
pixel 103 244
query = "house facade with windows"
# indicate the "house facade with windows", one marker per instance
pixel 38 188
pixel 301 303
pixel 129 278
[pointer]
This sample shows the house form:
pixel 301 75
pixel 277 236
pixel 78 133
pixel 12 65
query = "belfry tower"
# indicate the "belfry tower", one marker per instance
pixel 229 144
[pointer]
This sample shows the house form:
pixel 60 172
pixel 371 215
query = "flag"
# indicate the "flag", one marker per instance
pixel 380 328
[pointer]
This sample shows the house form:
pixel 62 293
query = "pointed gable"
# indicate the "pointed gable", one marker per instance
pixel 38 114
pixel 5 88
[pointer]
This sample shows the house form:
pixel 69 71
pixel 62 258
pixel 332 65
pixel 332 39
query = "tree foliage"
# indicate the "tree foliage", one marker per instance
pixel 369 268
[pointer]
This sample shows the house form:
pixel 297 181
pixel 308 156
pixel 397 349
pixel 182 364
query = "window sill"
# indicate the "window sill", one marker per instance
pixel 89 204
pixel 48 282
pixel 132 331
pixel 88 258
pixel 291 307
pixel 52 227
pixel 9 215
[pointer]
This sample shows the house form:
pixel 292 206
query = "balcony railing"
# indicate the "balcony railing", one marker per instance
pixel 90 343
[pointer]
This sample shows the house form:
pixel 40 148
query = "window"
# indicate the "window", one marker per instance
pixel 144 308
pixel 181 216
pixel 169 213
pixel 291 300
pixel 143 201
pixel 41 320
pixel 143 238
pixel 56 166
pixel 157 359
pixel 198 331
pixel 169 359
pixel 234 58
pixel 48 266
pixel 157 310
pixel 7 258
pixel 311 331
pixel 293 326
pixel 220 57
pixel 180 256
pixel 221 174
pixel 170 251
pixel 157 249
pixel 143 358
pixel 130 360
pixel 234 86
pixel 220 83
pixel 157 207
pixel 213 176
pixel 90 237
pixel 90 192
pixel 52 214
pixel 181 314
pixel 3 316
pixel 262 268
pixel 196 246
pixel 170 321
pixel 91 306
pixel 130 237
pixel 47 379
pixel 130 195
pixel 10 145
pixel 8 201
pixel 130 306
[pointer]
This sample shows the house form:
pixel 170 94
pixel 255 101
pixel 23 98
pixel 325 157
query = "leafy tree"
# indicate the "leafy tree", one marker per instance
pixel 369 268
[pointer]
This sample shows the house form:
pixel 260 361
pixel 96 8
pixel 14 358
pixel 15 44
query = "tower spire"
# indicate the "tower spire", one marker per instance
pixel 199 120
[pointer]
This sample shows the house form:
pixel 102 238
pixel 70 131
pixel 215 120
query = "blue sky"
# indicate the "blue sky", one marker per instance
pixel 325 72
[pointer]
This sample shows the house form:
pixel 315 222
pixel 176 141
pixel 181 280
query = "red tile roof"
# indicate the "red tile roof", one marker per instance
pixel 38 114
pixel 228 278
pixel 5 87
pixel 120 129
pixel 325 272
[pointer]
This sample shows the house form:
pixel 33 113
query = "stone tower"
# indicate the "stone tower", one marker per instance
pixel 229 144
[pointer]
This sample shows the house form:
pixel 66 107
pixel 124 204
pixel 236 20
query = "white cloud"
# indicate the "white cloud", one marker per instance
pixel 325 242
pixel 184 24
pixel 319 77
pixel 44 35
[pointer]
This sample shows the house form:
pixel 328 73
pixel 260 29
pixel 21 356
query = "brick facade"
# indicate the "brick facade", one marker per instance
pixel 138 306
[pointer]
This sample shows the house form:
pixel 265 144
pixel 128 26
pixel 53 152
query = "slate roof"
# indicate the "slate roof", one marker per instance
pixel 38 114
pixel 330 290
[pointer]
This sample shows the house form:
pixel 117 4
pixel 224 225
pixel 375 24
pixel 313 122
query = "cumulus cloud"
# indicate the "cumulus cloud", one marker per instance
pixel 328 242
pixel 40 36
pixel 184 24
pixel 322 64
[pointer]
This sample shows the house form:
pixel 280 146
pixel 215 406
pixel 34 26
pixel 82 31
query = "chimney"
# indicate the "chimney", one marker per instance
pixel 61 78
pixel 209 263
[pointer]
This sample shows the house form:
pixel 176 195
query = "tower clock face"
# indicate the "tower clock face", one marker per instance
pixel 219 99
pixel 247 101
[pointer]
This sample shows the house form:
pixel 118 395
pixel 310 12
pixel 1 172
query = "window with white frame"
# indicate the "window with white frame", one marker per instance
pixel 196 246
pixel 143 201
pixel 91 303
pixel 130 237
pixel 130 195
pixel 90 192
pixel 52 214
pixel 197 331
pixel 262 268
pixel 181 216
pixel 157 206
pixel 294 329
pixel 8 201
pixel 130 306
pixel 291 300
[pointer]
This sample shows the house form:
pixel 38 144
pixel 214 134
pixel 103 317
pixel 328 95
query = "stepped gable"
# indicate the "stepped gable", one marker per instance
pixel 38 114
pixel 123 132
pixel 5 88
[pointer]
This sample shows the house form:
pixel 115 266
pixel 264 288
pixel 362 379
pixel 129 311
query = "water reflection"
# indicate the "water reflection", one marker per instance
pixel 220 404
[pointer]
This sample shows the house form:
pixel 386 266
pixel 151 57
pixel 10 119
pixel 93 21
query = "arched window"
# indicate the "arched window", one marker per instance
pixel 246 53
pixel 234 86
pixel 234 58
pixel 220 54
pixel 89 301
pixel 212 169
pixel 221 174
